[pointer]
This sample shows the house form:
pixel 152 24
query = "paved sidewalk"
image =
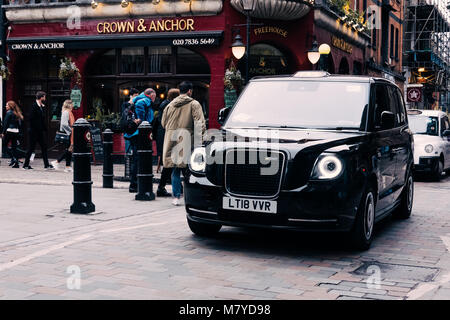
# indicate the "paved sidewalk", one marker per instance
pixel 58 177
pixel 145 250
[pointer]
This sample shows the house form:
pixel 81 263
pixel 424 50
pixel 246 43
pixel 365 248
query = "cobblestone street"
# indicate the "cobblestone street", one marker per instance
pixel 145 250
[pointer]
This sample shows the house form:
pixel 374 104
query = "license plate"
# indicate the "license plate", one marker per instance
pixel 255 205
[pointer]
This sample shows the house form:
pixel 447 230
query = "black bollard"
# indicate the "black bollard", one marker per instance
pixel 82 183
pixel 127 167
pixel 108 169
pixel 145 163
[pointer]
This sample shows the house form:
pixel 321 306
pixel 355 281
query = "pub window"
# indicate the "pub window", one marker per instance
pixel 31 89
pixel 106 64
pixel 266 60
pixel 189 62
pixel 33 66
pixel 392 42
pixel 344 68
pixel 396 44
pixel 357 68
pixel 53 66
pixel 159 59
pixel 132 60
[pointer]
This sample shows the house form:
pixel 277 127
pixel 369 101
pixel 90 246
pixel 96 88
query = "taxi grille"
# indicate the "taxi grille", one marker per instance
pixel 247 178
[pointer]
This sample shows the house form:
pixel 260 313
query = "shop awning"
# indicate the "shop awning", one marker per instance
pixel 185 39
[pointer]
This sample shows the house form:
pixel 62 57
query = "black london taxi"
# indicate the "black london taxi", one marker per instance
pixel 311 151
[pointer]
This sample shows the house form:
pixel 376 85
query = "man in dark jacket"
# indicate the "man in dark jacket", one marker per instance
pixel 37 128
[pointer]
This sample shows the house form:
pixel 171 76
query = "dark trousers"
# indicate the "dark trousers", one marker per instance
pixel 12 137
pixel 133 162
pixel 36 137
pixel 66 155
pixel 165 177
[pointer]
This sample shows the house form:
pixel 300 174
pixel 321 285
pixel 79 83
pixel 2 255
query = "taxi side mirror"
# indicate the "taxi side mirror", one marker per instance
pixel 223 115
pixel 387 120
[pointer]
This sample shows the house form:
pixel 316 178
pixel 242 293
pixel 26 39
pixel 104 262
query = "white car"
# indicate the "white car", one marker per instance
pixel 431 141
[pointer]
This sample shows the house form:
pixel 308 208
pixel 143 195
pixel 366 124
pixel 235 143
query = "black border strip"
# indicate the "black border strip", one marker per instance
pixel 115 41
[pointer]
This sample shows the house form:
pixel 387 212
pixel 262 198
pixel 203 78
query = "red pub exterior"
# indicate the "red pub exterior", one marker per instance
pixel 118 49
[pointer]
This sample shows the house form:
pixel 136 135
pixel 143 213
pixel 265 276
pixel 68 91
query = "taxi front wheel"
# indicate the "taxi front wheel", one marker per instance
pixel 438 171
pixel 362 233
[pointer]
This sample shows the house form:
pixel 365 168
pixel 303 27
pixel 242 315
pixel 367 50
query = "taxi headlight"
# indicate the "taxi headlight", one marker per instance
pixel 198 160
pixel 327 167
pixel 428 148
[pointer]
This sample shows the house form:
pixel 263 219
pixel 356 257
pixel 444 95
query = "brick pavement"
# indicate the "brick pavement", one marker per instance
pixel 135 250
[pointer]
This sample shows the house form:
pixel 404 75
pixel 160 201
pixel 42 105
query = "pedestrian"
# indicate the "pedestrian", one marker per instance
pixel 66 125
pixel 139 111
pixel 158 134
pixel 180 118
pixel 133 93
pixel 11 130
pixel 36 129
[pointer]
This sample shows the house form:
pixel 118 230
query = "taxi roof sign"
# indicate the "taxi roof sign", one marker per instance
pixel 413 112
pixel 311 74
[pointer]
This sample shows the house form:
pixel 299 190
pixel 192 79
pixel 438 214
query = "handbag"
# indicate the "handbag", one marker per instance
pixel 62 137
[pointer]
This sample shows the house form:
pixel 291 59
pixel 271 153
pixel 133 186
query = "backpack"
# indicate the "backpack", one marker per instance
pixel 127 124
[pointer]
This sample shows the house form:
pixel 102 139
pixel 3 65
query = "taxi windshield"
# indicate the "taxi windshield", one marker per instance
pixel 302 104
pixel 421 124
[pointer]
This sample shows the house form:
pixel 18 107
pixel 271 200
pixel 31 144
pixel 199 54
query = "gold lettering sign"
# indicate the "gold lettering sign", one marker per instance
pixel 269 29
pixel 141 25
pixel 341 44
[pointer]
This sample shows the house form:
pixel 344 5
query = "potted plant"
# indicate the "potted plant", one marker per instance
pixel 69 70
pixel 111 121
pixel 233 82
pixel 4 72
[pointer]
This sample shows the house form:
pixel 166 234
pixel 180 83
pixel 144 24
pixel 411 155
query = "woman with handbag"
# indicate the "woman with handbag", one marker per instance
pixel 65 136
pixel 11 129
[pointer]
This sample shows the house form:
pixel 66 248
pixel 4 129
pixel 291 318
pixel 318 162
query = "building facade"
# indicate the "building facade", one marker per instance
pixel 119 45
pixel 427 54
pixel 384 54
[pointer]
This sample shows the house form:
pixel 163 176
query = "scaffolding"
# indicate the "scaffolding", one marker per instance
pixel 426 47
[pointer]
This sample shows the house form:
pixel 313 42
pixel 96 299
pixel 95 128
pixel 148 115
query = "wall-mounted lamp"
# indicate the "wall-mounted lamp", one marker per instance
pixel 124 3
pixel 313 53
pixel 238 47
pixel 324 49
pixel 155 2
pixel 126 92
pixel 248 5
pixel 94 4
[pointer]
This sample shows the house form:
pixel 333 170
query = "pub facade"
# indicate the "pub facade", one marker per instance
pixel 118 45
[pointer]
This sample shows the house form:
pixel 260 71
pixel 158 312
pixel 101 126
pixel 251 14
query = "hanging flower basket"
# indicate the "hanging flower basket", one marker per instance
pixel 68 70
pixel 4 72
pixel 233 78
pixel 233 82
